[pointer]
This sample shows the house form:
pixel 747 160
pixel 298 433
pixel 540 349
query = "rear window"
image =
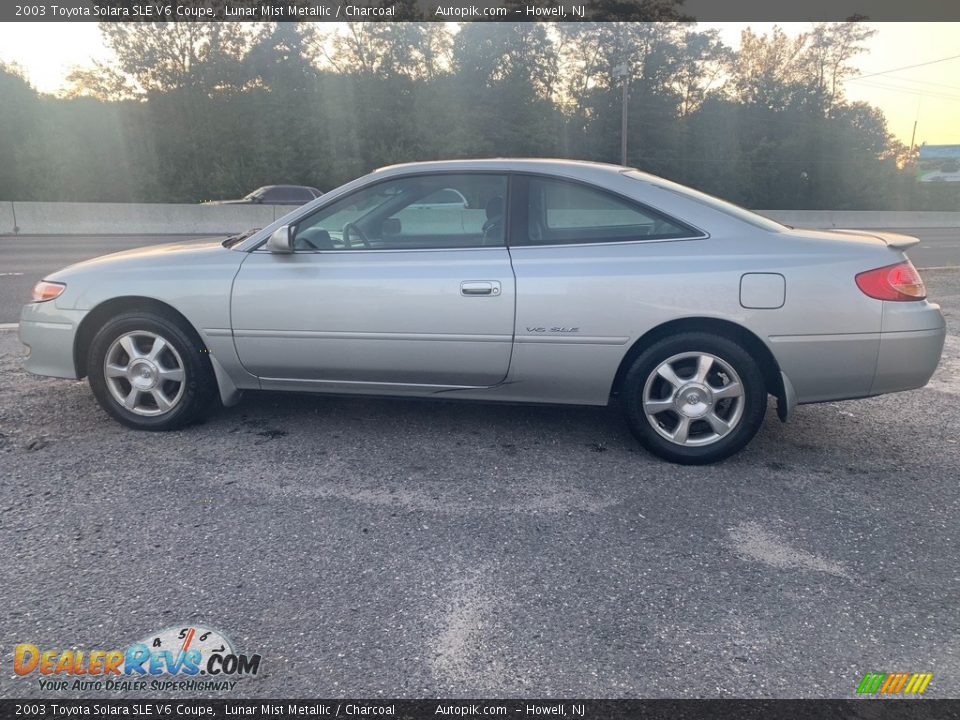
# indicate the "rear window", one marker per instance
pixel 715 203
pixel 288 194
pixel 563 212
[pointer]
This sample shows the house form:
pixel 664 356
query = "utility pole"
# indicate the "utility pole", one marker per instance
pixel 913 137
pixel 622 71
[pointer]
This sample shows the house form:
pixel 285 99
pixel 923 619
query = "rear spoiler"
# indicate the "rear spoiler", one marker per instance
pixel 893 240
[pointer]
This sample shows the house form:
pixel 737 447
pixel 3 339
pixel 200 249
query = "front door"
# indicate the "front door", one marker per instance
pixel 382 289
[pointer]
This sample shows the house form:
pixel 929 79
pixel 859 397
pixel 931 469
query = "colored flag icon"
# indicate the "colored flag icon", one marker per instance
pixel 894 683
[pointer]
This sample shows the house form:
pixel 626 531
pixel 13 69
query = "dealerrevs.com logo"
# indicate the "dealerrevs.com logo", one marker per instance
pixel 184 657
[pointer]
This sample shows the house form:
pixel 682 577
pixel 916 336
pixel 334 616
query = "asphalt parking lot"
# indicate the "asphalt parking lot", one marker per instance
pixel 391 548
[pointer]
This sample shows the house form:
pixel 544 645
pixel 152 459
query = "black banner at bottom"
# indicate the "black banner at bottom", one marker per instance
pixel 525 709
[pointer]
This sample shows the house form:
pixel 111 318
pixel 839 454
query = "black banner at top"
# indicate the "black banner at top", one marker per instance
pixel 479 10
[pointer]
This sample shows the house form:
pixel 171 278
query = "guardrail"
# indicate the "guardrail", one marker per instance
pixel 50 218
pixel 69 218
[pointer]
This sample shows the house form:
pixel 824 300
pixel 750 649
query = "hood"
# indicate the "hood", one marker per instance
pixel 190 253
pixel 180 273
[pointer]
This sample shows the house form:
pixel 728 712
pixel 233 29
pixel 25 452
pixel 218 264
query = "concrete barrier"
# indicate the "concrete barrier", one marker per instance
pixel 47 218
pixel 8 223
pixel 43 218
pixel 864 219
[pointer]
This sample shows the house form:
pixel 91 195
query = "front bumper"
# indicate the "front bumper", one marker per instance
pixel 50 334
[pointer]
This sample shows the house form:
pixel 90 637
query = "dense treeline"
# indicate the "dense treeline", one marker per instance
pixel 195 111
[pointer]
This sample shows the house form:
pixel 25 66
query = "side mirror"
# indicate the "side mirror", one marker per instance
pixel 281 241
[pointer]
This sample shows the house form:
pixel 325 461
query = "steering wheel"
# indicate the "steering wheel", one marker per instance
pixel 351 228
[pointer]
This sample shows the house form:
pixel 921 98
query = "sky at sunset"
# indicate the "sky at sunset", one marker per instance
pixel 928 95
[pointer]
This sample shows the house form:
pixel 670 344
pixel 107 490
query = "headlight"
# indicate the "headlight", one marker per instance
pixel 44 291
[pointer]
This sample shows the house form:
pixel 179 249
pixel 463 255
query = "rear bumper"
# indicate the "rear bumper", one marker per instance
pixel 910 346
pixel 907 360
pixel 49 333
pixel 903 356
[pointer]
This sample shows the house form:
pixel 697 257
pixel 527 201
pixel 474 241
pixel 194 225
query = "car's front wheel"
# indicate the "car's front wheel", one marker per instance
pixel 694 398
pixel 149 373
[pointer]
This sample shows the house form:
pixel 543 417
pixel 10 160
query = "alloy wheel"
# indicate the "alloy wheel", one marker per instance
pixel 693 399
pixel 144 373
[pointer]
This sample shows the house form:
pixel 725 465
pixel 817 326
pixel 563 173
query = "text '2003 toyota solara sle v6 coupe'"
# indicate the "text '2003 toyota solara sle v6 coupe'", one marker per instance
pixel 547 281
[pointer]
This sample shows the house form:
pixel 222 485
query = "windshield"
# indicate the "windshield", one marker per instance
pixel 711 201
pixel 255 194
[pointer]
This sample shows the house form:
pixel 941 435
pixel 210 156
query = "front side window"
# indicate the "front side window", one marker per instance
pixel 562 212
pixel 421 212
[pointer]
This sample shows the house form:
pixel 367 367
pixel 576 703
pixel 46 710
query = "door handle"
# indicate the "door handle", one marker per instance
pixel 472 288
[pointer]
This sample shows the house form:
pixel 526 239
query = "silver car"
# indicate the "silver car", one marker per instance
pixel 554 282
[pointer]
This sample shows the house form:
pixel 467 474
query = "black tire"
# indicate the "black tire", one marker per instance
pixel 194 393
pixel 747 420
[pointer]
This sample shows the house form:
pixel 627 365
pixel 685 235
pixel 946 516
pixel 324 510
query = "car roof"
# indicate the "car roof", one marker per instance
pixel 568 168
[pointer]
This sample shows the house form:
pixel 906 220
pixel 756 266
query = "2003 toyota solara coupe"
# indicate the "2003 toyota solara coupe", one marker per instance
pixel 550 282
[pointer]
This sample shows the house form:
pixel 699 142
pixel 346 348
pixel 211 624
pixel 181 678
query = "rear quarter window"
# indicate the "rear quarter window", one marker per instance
pixel 714 203
pixel 565 212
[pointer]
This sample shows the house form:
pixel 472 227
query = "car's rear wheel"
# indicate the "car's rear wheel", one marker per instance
pixel 149 373
pixel 694 398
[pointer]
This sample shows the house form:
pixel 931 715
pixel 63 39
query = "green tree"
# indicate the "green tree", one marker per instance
pixel 503 79
pixel 193 111
pixel 19 113
pixel 831 48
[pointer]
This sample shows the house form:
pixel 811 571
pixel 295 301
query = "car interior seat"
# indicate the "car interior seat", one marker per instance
pixel 493 227
pixel 535 217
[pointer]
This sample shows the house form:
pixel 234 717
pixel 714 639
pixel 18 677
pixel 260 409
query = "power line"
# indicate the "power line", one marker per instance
pixel 923 82
pixel 906 67
pixel 911 91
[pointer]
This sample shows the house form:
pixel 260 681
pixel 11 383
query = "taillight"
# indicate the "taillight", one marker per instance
pixel 44 291
pixel 899 282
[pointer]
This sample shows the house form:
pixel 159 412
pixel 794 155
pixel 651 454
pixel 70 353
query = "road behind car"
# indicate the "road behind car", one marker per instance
pixel 417 548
